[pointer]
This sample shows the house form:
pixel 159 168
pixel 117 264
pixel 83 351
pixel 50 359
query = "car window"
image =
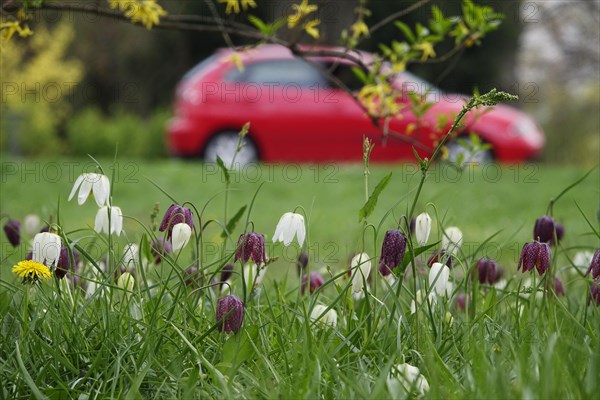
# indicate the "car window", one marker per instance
pixel 199 67
pixel 282 72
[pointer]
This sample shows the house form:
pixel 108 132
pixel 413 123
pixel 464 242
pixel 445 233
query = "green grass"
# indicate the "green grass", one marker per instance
pixel 160 342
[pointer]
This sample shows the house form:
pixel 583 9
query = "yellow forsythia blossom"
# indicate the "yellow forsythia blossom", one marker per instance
pixel 147 12
pixel 8 29
pixel 300 11
pixel 311 28
pixel 359 28
pixel 234 5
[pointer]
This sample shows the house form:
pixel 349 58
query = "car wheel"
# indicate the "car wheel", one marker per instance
pixel 463 150
pixel 224 145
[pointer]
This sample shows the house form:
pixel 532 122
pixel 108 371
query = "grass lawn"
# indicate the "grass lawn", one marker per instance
pixel 160 340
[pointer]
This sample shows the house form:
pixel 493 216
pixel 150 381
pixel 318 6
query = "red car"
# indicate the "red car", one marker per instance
pixel 297 114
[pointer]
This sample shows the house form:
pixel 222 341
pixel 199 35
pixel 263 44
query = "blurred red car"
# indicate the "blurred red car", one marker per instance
pixel 297 114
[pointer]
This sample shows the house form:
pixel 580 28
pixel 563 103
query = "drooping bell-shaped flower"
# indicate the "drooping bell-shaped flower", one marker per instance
pixel 439 276
pixel 251 246
pixel 404 379
pixel 322 316
pixel 160 247
pixel 92 182
pixel 104 221
pixel 595 292
pixel 594 265
pixel 12 228
pixel 290 225
pixel 230 314
pixel 131 256
pixel 174 215
pixel 64 265
pixel 535 254
pixel 361 268
pixel 46 248
pixel 315 281
pixel 452 240
pixel 226 273
pixel 301 263
pixel 422 228
pixel 193 277
pixel 487 271
pixel 431 298
pixel 180 236
pixel 392 251
pixel 32 224
pixel 560 232
pixel 253 274
pixel 559 288
pixel 543 230
pixel 126 282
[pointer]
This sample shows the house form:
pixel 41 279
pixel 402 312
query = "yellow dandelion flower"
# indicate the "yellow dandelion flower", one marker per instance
pixel 300 11
pixel 359 28
pixel 31 270
pixel 311 28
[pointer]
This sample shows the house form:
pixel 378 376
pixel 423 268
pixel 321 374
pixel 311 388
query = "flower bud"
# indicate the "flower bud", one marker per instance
pixel 230 314
pixel 452 240
pixel 461 301
pixel 64 265
pixel 392 251
pixel 403 379
pixel 439 276
pixel 559 288
pixel 193 277
pixel 302 263
pixel 422 228
pixel 543 231
pixel 160 247
pixel 126 281
pixel 12 228
pixel 487 271
pixel 251 246
pixel 226 273
pixel 327 319
pixel 315 281
pixel 32 224
pixel 535 254
pixel 440 257
pixel 595 292
pixel 594 265
pixel 560 232
pixel 361 268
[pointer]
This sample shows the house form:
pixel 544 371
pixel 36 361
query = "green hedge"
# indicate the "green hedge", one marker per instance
pixel 91 132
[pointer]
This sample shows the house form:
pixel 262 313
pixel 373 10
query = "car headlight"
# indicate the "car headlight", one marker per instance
pixel 528 130
pixel 525 128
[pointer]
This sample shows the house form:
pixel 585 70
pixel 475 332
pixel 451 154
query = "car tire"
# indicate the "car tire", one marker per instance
pixel 224 145
pixel 455 148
